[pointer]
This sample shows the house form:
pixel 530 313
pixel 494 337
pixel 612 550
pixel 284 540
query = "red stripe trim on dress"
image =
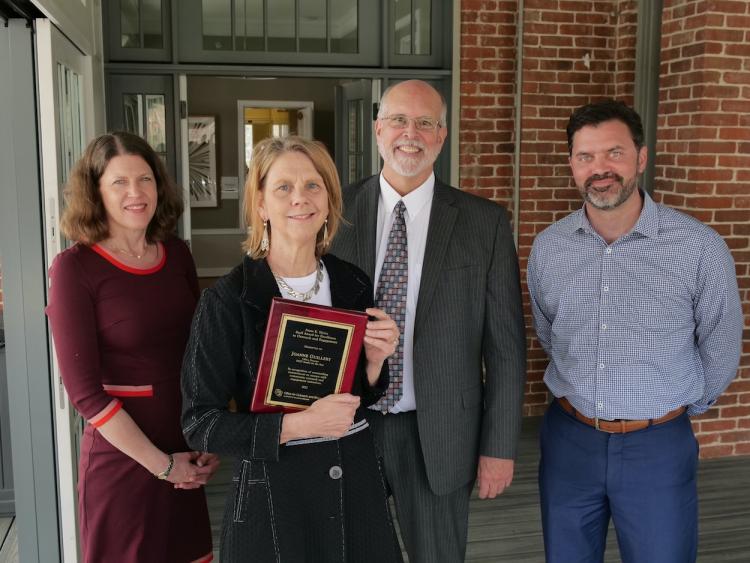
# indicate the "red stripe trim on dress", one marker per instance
pixel 106 413
pixel 129 390
pixel 137 271
pixel 204 559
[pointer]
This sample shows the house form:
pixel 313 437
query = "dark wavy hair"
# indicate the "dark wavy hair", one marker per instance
pixel 84 218
pixel 605 110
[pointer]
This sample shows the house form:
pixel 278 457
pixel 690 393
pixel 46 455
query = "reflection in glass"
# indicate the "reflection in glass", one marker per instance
pixel 254 37
pixel 281 26
pixel 71 119
pixel 157 123
pixel 217 24
pixel 132 118
pixel 343 25
pixel 422 26
pixel 249 144
pixel 402 26
pixel 355 167
pixel 312 26
pixel 353 113
pixel 249 25
pixel 130 32
pixel 354 141
pixel 152 34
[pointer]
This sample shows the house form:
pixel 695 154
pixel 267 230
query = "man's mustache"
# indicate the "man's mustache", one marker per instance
pixel 608 176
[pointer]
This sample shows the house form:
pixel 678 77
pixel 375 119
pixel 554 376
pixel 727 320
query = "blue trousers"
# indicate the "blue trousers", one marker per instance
pixel 645 481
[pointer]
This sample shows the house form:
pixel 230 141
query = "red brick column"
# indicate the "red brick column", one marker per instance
pixel 703 163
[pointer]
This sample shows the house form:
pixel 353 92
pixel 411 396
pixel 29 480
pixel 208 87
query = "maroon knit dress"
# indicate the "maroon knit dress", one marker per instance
pixel 120 335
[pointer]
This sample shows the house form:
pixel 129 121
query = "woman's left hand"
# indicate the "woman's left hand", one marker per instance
pixel 381 338
pixel 206 460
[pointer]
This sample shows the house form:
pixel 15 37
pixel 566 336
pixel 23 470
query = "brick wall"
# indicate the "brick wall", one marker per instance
pixel 703 162
pixel 578 51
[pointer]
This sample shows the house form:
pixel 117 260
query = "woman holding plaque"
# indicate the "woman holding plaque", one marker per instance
pixel 307 485
pixel 120 305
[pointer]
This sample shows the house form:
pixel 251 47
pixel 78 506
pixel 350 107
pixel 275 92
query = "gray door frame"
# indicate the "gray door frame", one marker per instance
pixel 24 279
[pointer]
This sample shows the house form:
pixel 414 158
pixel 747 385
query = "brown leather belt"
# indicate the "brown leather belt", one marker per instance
pixel 620 426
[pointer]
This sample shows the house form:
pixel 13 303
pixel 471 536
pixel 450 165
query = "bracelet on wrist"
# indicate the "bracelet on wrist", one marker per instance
pixel 164 474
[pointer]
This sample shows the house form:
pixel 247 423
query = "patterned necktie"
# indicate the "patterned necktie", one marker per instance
pixel 391 297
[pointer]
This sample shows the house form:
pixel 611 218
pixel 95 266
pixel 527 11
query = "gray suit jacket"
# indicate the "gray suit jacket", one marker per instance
pixel 469 315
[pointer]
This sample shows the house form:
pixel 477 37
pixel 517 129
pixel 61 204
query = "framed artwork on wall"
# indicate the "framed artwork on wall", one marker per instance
pixel 202 161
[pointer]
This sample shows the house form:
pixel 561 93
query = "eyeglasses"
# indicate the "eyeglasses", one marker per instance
pixel 420 123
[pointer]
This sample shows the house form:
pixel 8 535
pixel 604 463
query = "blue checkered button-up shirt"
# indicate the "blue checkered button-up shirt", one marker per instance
pixel 641 326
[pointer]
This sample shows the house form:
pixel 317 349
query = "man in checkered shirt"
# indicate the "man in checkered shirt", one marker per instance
pixel 637 306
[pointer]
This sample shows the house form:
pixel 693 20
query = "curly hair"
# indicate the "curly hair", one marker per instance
pixel 84 218
pixel 264 155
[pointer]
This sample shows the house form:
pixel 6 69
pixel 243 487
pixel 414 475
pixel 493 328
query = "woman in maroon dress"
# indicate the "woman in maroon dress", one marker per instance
pixel 120 306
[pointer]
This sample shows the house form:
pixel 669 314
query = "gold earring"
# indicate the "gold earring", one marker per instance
pixel 325 234
pixel 264 244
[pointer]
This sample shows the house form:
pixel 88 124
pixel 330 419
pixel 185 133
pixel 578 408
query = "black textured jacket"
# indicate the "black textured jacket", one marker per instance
pixel 324 501
pixel 223 353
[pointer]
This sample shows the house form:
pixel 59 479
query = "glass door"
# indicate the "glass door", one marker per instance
pixel 66 106
pixel 354 118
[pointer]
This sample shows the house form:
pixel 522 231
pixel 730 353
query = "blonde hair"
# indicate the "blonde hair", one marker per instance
pixel 264 155
pixel 84 218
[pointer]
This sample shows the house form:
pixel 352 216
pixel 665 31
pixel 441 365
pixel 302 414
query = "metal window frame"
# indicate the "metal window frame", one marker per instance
pixel 24 294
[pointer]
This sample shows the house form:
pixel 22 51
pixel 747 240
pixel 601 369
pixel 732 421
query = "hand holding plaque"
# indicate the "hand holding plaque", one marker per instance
pixel 309 351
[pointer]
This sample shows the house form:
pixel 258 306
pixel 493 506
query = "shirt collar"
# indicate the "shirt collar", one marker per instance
pixel 647 224
pixel 415 201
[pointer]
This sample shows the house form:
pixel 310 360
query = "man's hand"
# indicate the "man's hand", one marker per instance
pixel 493 475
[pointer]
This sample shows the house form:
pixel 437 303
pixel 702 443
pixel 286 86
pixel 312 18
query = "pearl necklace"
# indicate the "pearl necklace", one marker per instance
pixel 307 295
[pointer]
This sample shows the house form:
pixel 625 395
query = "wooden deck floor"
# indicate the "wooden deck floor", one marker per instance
pixel 508 529
pixel 8 540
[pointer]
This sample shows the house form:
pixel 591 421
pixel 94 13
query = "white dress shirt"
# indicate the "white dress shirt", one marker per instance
pixel 418 205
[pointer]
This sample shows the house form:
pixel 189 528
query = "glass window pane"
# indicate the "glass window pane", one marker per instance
pixel 130 33
pixel 71 119
pixel 312 26
pixel 353 111
pixel 217 25
pixel 343 17
pixel 249 144
pixel 152 33
pixel 281 26
pixel 422 27
pixel 253 25
pixel 238 18
pixel 156 125
pixel 355 167
pixel 132 118
pixel 402 26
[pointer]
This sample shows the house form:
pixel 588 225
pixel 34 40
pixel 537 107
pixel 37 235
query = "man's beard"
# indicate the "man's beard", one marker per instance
pixel 611 198
pixel 407 166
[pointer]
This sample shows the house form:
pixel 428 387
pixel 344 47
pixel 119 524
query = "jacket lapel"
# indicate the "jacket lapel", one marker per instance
pixel 346 290
pixel 442 219
pixel 258 288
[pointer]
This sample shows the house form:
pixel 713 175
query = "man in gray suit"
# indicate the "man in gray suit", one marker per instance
pixel 445 268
